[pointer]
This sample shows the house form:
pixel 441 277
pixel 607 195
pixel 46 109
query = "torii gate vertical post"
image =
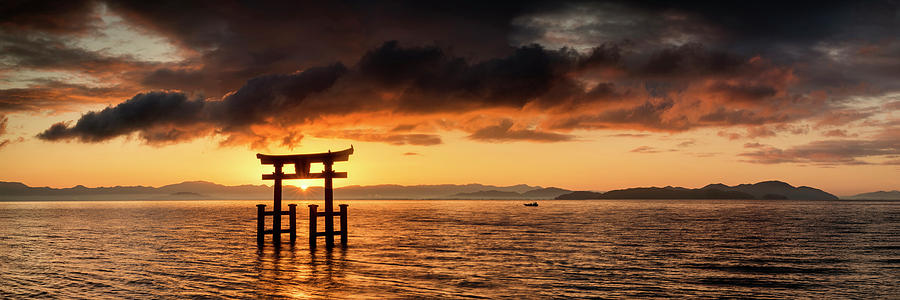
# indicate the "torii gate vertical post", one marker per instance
pixel 329 206
pixel 276 217
pixel 301 164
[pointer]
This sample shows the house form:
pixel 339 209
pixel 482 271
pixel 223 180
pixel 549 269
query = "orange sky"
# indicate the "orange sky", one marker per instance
pixel 594 162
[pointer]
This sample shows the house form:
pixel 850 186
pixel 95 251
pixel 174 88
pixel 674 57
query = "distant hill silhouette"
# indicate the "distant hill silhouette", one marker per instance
pixel 207 190
pixel 540 193
pixel 491 194
pixel 434 191
pixel 185 190
pixel 580 195
pixel 776 190
pixel 548 193
pixel 10 191
pixel 762 190
pixel 659 193
pixel 879 195
pixel 189 194
pixel 206 187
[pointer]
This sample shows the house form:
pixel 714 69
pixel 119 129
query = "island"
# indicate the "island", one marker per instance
pixel 768 190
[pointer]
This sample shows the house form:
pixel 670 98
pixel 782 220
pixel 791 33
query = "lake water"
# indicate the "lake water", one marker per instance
pixel 456 249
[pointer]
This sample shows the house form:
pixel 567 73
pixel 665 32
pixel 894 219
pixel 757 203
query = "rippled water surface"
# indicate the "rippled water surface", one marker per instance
pixel 456 249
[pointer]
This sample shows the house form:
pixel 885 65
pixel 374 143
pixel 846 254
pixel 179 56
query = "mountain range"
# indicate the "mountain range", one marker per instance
pixel 879 195
pixel 190 190
pixel 762 190
pixel 12 191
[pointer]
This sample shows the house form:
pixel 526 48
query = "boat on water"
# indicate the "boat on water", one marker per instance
pixel 531 204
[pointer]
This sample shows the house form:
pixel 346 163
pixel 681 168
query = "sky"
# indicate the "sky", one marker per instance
pixel 587 95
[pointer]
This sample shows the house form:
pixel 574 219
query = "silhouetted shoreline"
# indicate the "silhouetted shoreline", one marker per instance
pixel 202 190
pixel 766 190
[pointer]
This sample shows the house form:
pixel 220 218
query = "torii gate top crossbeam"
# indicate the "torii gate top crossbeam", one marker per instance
pixel 301 164
pixel 343 155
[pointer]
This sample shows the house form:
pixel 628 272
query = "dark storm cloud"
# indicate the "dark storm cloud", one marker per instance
pixel 773 25
pixel 436 81
pixel 426 80
pixel 65 16
pixel 690 60
pixel 653 65
pixel 229 43
pixel 270 95
pixel 147 113
pixel 143 112
pixel 829 43
pixel 244 40
pixel 744 91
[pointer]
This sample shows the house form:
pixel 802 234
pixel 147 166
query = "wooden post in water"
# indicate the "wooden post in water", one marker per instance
pixel 329 206
pixel 343 224
pixel 293 213
pixel 276 216
pixel 301 164
pixel 313 211
pixel 260 224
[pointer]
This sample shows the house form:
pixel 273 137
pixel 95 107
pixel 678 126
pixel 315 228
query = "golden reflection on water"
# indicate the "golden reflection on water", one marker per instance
pixel 291 270
pixel 455 249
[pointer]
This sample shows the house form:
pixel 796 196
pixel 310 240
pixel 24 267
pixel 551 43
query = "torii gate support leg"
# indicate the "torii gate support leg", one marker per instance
pixel 329 205
pixel 276 217
pixel 313 211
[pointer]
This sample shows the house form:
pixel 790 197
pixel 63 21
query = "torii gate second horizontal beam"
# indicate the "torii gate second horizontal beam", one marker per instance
pixel 308 176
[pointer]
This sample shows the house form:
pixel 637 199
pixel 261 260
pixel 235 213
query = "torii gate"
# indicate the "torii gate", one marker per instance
pixel 301 166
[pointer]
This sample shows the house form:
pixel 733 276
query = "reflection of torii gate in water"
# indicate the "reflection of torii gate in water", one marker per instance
pixel 301 166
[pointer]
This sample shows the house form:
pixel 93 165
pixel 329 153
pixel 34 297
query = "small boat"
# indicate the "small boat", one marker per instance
pixel 531 204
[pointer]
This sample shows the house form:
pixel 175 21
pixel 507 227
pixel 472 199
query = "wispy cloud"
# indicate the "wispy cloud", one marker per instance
pixel 649 150
pixel 829 152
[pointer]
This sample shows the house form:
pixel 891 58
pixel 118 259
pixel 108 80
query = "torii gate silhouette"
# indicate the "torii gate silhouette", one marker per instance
pixel 301 164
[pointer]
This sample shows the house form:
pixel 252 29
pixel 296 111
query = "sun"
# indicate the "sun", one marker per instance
pixel 304 187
